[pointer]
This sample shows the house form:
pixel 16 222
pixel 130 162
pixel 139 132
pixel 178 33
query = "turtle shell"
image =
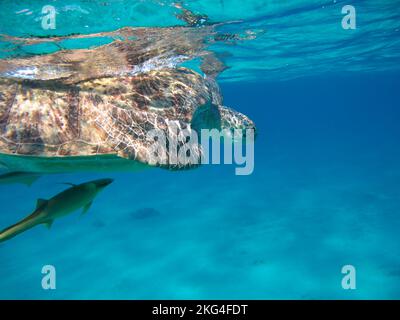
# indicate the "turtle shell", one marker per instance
pixel 99 116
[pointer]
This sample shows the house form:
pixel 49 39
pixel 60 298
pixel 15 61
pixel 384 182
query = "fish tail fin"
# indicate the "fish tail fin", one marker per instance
pixel 21 226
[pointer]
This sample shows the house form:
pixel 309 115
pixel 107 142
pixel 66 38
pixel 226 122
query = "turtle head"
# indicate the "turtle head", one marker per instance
pixel 232 120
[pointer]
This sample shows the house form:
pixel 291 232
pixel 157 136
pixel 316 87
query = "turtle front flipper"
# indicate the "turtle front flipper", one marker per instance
pixel 206 116
pixel 192 19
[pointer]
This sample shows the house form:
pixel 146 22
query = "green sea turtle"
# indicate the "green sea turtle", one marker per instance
pixel 102 124
pixel 91 109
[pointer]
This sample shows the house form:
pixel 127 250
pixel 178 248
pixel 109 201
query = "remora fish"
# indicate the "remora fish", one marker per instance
pixel 26 178
pixel 68 201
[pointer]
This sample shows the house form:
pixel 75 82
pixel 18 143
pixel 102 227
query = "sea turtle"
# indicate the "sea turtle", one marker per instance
pixel 102 123
pixel 92 109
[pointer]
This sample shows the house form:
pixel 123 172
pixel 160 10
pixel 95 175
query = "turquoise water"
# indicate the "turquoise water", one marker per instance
pixel 325 189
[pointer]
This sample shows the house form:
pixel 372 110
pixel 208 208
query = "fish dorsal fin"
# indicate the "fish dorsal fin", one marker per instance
pixel 48 224
pixel 30 180
pixel 86 207
pixel 40 202
pixel 206 116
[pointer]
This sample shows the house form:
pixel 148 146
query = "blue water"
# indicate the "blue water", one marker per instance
pixel 324 193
